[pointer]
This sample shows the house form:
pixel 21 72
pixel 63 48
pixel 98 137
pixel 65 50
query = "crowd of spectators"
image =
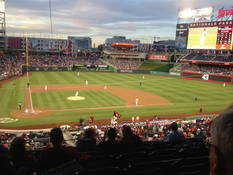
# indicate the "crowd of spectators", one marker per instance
pixel 156 146
pixel 11 65
pixel 206 68
pixel 50 149
pixel 62 61
pixel 125 64
pixel 209 57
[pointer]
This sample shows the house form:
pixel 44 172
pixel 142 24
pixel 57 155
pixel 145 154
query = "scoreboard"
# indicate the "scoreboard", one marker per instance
pixel 224 37
pixel 210 35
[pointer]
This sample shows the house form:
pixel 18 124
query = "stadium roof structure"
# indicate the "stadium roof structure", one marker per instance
pixel 123 45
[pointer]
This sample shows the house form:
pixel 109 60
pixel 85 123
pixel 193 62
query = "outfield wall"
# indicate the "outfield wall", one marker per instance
pixel 207 77
pixel 186 75
pixel 97 69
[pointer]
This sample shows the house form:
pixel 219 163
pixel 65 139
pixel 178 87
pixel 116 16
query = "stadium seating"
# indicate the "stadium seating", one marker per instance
pixel 125 64
pixel 152 157
pixel 11 65
pixel 209 58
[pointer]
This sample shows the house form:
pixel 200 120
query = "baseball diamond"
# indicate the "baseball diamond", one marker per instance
pixel 159 95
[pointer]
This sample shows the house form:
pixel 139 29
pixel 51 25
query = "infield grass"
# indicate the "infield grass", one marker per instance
pixel 58 99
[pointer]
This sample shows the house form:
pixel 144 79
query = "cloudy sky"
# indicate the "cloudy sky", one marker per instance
pixel 99 19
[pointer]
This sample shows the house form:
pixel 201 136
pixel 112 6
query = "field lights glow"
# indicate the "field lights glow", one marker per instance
pixel 186 13
pixel 194 13
pixel 2 5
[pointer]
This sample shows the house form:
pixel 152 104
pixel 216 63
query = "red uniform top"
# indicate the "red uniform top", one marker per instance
pixel 92 117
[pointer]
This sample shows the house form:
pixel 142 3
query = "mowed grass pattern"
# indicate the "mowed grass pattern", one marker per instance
pixel 58 99
pixel 181 92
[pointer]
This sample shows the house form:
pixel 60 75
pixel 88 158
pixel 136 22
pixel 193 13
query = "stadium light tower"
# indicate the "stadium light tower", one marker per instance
pixel 2 25
pixel 51 20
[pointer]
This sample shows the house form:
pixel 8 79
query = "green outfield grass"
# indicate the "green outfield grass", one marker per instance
pixel 181 92
pixel 156 66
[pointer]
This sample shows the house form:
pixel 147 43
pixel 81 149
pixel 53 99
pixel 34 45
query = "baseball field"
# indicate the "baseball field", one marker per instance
pixel 64 97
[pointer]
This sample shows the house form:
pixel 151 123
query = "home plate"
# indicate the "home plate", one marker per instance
pixel 76 98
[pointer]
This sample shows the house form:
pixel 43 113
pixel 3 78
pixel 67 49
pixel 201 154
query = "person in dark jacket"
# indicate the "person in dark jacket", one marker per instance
pixel 23 163
pixel 109 145
pixel 130 141
pixel 58 153
pixel 88 142
pixel 175 137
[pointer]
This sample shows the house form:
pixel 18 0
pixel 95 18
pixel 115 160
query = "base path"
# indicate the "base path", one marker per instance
pixel 129 95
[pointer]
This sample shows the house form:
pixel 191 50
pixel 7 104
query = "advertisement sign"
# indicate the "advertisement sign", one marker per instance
pixel 181 42
pixel 157 57
pixel 181 36
pixel 224 12
pixel 203 19
pixel 102 66
pixel 182 30
pixel 195 13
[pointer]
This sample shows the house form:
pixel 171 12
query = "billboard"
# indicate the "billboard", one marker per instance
pixel 224 12
pixel 181 42
pixel 202 38
pixel 181 36
pixel 157 57
pixel 195 13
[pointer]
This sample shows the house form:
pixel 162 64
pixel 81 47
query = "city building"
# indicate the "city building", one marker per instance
pixel 38 44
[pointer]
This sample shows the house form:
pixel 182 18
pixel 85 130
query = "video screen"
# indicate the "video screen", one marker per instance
pixel 202 38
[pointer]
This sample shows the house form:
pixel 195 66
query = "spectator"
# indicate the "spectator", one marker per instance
pixel 175 137
pixel 221 152
pixel 58 153
pixel 130 141
pixel 23 163
pixel 110 145
pixel 5 165
pixel 88 142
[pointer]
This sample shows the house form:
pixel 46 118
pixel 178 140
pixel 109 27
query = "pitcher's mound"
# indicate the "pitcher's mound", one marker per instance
pixel 76 98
